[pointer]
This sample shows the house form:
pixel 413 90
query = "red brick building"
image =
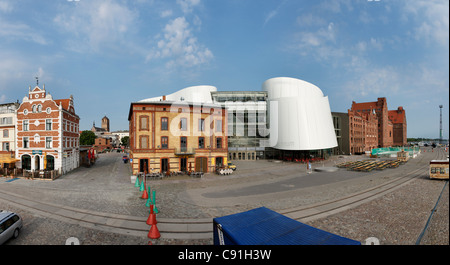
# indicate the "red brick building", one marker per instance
pixel 363 131
pixel 398 118
pixel 102 144
pixel 47 132
pixel 391 124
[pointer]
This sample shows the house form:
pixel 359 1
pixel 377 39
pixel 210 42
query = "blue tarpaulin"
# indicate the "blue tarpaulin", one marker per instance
pixel 262 226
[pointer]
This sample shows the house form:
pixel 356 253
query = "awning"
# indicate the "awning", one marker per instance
pixel 8 160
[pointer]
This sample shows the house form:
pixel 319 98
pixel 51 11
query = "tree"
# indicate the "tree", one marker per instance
pixel 125 140
pixel 87 138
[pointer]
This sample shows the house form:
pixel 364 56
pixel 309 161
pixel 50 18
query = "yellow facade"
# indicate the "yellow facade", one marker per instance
pixel 183 137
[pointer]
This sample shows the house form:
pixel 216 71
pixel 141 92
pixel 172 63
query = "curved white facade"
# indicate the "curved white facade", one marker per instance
pixel 196 94
pixel 300 115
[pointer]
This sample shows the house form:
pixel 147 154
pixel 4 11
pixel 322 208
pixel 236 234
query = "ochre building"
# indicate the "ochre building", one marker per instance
pixel 167 136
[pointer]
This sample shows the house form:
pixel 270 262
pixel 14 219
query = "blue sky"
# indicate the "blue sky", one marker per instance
pixel 108 53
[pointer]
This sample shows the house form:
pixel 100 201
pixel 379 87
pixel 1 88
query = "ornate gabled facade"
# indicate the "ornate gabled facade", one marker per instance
pixel 47 132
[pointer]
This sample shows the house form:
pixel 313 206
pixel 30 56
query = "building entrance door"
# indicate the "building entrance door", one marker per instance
pixel 219 161
pixel 201 164
pixel 50 162
pixel 37 163
pixel 164 165
pixel 143 165
pixel 183 164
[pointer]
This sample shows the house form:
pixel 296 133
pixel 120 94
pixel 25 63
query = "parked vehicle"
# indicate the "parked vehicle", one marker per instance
pixel 10 225
pixel 232 166
pixel 438 169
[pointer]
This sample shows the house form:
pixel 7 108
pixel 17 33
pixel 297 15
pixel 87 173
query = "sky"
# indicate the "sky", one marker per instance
pixel 109 53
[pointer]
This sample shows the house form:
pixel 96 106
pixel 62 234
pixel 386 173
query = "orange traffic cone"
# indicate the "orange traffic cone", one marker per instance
pixel 144 195
pixel 151 220
pixel 154 232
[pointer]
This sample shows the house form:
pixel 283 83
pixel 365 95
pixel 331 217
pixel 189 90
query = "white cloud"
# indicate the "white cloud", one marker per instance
pixel 187 6
pixel 20 31
pixel 92 25
pixel 431 19
pixel 166 13
pixel 14 30
pixel 320 43
pixel 273 13
pixel 17 68
pixel 180 46
pixel 374 82
pixel 310 20
pixel 5 6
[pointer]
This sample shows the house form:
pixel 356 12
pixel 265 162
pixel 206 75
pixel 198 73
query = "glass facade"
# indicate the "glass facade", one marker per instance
pixel 247 122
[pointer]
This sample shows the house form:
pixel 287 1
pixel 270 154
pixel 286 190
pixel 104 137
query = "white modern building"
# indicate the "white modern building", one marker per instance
pixel 289 115
pixel 300 115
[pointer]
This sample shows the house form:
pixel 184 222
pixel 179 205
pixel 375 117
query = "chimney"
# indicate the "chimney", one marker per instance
pixel 164 98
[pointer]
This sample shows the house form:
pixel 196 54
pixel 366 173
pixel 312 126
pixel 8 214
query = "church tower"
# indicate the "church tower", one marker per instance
pixel 105 123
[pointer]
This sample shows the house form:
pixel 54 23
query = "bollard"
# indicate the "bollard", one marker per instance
pixel 136 184
pixel 149 201
pixel 154 201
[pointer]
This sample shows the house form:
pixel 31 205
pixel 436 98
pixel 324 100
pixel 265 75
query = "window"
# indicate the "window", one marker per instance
pixel 201 125
pixel 39 108
pixel 201 142
pixel 143 142
pixel 164 142
pixel 183 144
pixel 218 125
pixel 6 146
pixel 219 142
pixel 48 142
pixel 48 124
pixel 143 123
pixel 164 124
pixel 5 133
pixel 25 125
pixel 183 124
pixel 26 143
pixel 33 108
pixel 6 120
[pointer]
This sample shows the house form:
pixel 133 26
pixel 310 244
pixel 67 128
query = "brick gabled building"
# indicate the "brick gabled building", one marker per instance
pixel 363 131
pixel 398 118
pixel 391 123
pixel 47 132
pixel 385 126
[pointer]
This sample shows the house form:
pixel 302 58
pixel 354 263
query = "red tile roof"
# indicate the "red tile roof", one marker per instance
pixel 397 116
pixel 64 102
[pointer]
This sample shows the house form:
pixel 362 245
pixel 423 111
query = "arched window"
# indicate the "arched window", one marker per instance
pixel 33 108
pixel 50 163
pixel 39 108
pixel 26 162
